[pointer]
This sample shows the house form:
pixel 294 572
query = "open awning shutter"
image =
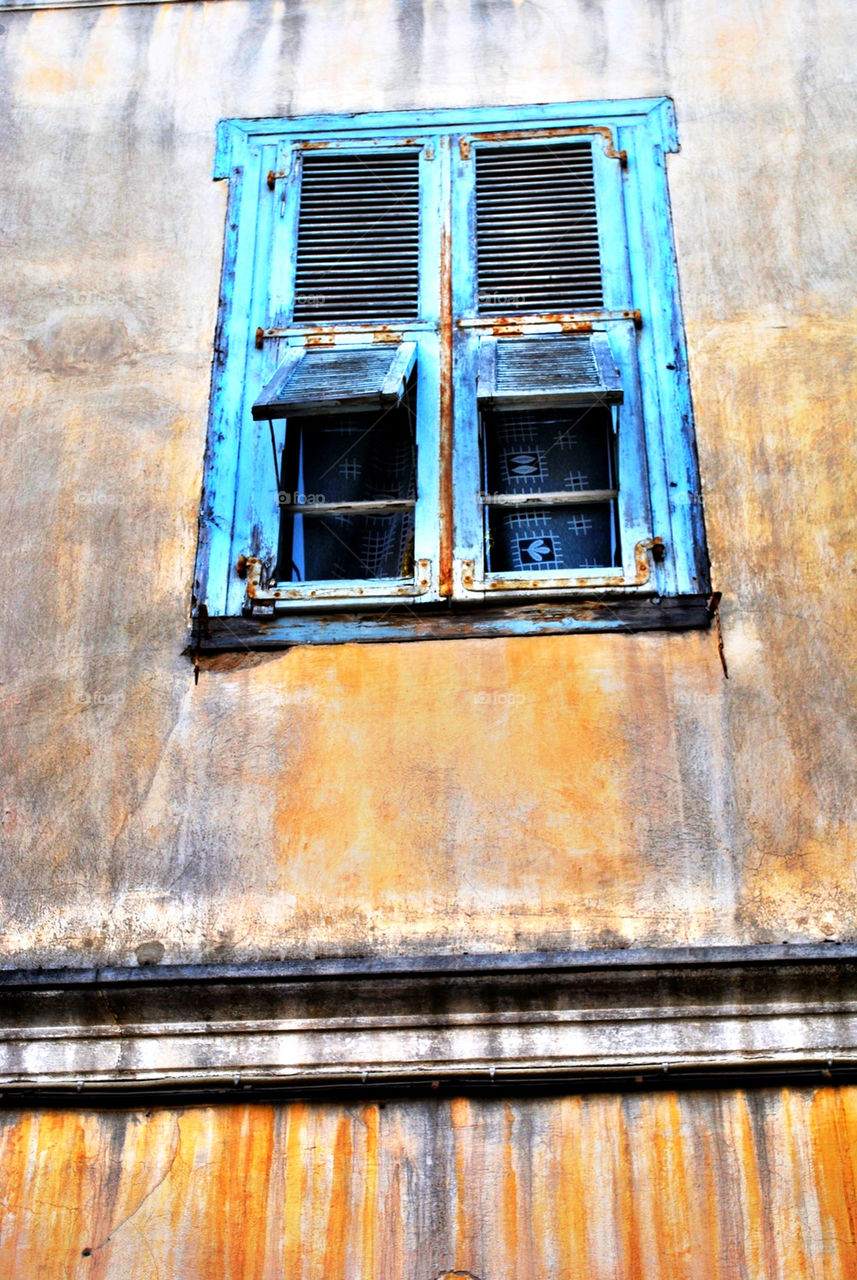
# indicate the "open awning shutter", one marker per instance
pixel 547 370
pixel 328 380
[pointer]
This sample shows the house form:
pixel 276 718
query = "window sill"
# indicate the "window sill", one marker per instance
pixel 452 622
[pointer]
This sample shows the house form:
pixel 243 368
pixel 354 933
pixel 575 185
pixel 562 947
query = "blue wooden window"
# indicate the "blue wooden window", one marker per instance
pixel 450 380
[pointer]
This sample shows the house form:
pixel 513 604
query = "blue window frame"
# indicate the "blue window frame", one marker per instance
pixel 450 380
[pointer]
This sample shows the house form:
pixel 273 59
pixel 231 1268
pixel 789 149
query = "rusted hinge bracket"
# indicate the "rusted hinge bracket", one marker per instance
pixel 274 176
pixel 650 547
pixel 464 148
pixel 249 568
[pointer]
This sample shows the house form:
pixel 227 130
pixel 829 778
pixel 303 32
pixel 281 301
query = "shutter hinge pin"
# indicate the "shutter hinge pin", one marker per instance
pixel 273 176
pixel 260 338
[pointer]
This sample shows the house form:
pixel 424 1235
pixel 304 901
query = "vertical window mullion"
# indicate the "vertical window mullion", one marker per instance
pixel 432 203
pixel 426 527
pixel 468 534
pixel 447 408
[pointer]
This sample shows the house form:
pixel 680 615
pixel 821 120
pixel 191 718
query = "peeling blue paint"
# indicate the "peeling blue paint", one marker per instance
pixel 659 485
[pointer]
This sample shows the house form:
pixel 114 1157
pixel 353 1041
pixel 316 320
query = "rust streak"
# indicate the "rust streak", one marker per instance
pixel 369 1116
pixel 749 1193
pixel 513 330
pixel 340 1191
pixel 459 1113
pixel 317 334
pixel 570 1191
pixel 552 317
pixel 446 414
pixel 294 1188
pixel 583 319
pixel 834 1144
pixel 512 135
pixel 326 144
pixel 510 1189
pixel 628 1206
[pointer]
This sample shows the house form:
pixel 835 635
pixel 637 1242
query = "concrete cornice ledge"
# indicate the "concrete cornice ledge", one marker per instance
pixel 539 1017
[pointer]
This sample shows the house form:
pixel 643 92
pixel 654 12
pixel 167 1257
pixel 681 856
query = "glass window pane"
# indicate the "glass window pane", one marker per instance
pixel 548 450
pixel 551 539
pixel 345 458
pixel 337 547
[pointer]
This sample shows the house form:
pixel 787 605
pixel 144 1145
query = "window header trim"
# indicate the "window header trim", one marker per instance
pixel 236 135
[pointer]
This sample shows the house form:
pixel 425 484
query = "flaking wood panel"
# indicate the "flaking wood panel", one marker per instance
pixel 705 1186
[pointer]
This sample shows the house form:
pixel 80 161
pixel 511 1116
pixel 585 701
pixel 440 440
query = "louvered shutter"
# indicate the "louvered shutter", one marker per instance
pixel 550 370
pixel 358 237
pixel 321 381
pixel 537 229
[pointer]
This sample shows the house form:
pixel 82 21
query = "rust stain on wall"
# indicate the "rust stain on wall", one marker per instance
pixel 340 1199
pixel 712 1185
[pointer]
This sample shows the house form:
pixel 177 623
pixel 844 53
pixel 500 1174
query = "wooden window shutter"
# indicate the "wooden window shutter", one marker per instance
pixel 358 237
pixel 322 381
pixel 537 229
pixel 550 370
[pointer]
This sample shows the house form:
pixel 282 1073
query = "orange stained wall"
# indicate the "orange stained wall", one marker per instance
pixel 666 1186
pixel 591 791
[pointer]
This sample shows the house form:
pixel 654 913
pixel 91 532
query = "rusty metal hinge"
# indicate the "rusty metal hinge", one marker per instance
pixel 470 580
pixel 464 148
pixel 252 570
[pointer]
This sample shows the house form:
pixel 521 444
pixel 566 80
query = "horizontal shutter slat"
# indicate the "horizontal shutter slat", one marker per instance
pixel 537 229
pixel 358 238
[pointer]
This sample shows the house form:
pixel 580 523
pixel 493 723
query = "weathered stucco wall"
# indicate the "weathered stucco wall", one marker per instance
pixel 553 792
pixel 698 1186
